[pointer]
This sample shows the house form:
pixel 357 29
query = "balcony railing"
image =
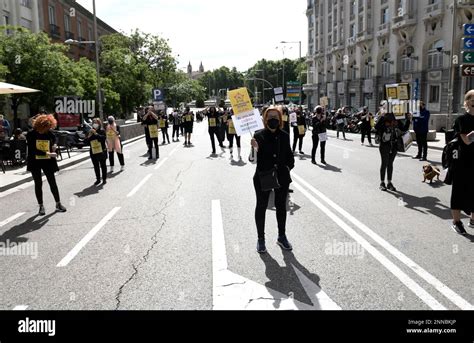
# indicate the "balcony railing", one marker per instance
pixel 54 31
pixel 69 35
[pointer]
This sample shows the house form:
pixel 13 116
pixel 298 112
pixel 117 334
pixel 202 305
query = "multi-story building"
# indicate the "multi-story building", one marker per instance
pixel 66 19
pixel 195 75
pixel 23 13
pixel 358 46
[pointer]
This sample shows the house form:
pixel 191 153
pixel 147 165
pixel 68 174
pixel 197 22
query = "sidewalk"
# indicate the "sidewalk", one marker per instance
pixel 14 177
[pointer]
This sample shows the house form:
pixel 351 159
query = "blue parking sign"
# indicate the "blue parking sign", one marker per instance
pixel 468 29
pixel 468 43
pixel 158 94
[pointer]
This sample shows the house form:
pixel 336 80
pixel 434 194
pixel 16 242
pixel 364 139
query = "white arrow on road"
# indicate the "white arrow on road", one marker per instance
pixel 235 292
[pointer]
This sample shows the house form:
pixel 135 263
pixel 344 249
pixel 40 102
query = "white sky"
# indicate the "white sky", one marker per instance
pixel 216 32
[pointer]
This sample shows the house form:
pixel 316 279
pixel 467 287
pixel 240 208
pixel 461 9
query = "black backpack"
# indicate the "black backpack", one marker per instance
pixel 450 153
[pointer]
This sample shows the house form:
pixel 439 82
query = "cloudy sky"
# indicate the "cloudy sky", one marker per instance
pixel 216 32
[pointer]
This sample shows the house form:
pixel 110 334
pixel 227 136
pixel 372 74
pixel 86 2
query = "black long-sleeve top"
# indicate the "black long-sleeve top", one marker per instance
pixel 36 157
pixel 274 150
pixel 389 131
pixel 100 137
pixel 319 125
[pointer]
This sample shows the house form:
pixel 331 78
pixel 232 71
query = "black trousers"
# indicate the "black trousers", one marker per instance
pixel 98 166
pixel 388 154
pixel 366 131
pixel 38 179
pixel 165 134
pixel 422 142
pixel 281 196
pixel 120 157
pixel 343 129
pixel 315 148
pixel 175 130
pixel 214 132
pixel 231 140
pixel 296 138
pixel 153 141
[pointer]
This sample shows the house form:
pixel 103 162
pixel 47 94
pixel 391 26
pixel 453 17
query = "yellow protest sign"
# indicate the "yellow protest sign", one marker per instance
pixel 392 92
pixel 42 145
pixel 240 101
pixel 285 117
pixel 403 93
pixel 96 147
pixel 212 122
pixel 111 134
pixel 231 128
pixel 301 130
pixel 189 117
pixel 153 129
pixel 162 123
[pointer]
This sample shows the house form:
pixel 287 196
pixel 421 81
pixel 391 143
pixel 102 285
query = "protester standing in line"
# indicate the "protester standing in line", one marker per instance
pixel 176 120
pixel 286 120
pixel 366 126
pixel 98 151
pixel 462 193
pixel 299 131
pixel 389 129
pixel 212 119
pixel 42 157
pixel 273 157
pixel 231 133
pixel 164 124
pixel 421 128
pixel 319 134
pixel 145 127
pixel 188 128
pixel 340 123
pixel 150 120
pixel 114 143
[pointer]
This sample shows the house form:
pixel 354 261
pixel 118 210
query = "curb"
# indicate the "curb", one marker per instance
pixel 63 166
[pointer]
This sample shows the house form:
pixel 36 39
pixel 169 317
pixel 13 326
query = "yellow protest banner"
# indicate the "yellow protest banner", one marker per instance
pixel 96 147
pixel 42 145
pixel 212 122
pixel 240 101
pixel 392 92
pixel 162 123
pixel 189 117
pixel 301 130
pixel 403 93
pixel 231 128
pixel 153 129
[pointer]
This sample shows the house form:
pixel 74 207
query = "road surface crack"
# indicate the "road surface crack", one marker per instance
pixel 154 238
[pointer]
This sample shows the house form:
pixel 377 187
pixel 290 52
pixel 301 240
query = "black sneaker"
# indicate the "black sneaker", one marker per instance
pixel 104 181
pixel 458 228
pixel 96 183
pixel 390 187
pixel 283 242
pixel 471 223
pixel 323 162
pixel 313 162
pixel 383 187
pixel 42 211
pixel 261 249
pixel 60 208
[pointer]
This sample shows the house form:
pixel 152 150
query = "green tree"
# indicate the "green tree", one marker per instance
pixel 221 79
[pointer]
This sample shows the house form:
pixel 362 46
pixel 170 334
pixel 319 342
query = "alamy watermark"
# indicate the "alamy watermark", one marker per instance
pixel 75 106
pixel 9 248
pixel 344 249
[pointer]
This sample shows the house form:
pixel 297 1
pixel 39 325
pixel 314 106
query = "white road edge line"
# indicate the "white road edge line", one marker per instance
pixel 161 163
pixel 173 151
pixel 12 218
pixel 137 187
pixel 219 253
pixel 20 308
pixel 442 288
pixel 397 272
pixel 70 256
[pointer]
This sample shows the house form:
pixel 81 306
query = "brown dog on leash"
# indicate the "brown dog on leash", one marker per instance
pixel 430 172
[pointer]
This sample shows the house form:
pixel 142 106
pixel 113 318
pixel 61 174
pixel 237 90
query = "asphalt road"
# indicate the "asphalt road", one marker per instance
pixel 179 233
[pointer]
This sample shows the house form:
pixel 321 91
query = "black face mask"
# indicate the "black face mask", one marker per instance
pixel 273 123
pixel 110 121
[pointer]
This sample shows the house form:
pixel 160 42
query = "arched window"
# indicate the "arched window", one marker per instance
pixel 435 55
pixel 385 64
pixel 368 66
pixel 408 60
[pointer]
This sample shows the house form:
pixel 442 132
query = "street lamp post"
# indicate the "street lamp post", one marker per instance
pixel 97 63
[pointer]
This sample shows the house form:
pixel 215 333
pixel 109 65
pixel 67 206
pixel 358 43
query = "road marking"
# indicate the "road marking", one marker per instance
pixel 173 151
pixel 442 288
pixel 70 256
pixel 235 292
pixel 404 278
pixel 137 187
pixel 20 308
pixel 12 218
pixel 75 165
pixel 339 147
pixel 161 163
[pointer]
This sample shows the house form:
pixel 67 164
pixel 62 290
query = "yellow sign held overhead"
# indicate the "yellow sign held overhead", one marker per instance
pixel 240 101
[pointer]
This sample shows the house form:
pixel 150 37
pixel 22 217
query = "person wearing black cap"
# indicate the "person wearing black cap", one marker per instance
pixel 389 129
pixel 318 121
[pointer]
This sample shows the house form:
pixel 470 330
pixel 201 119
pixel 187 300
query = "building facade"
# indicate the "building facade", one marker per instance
pixel 23 13
pixel 356 47
pixel 195 75
pixel 66 19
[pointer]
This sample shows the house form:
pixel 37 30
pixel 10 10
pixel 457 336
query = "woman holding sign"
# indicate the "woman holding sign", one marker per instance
pixel 319 134
pixel 98 151
pixel 213 118
pixel 113 142
pixel 188 126
pixel 151 125
pixel 299 131
pixel 231 133
pixel 274 162
pixel 164 124
pixel 42 157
